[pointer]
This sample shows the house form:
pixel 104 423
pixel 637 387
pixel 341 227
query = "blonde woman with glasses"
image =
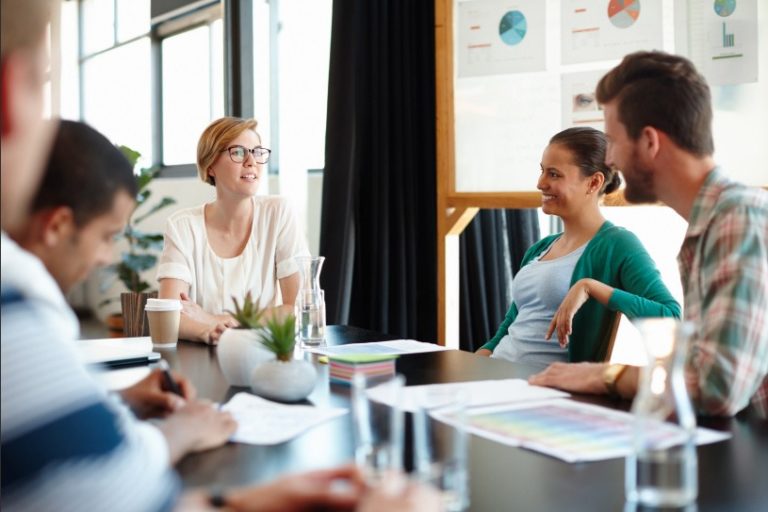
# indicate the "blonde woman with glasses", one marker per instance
pixel 238 243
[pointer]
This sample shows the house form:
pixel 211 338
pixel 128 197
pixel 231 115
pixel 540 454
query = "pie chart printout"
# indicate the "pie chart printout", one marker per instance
pixel 623 13
pixel 725 8
pixel 513 27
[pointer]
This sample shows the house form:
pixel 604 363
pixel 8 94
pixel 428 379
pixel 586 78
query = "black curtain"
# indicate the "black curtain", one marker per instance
pixel 379 193
pixel 491 249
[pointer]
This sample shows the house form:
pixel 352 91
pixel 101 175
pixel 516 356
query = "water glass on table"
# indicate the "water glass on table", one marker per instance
pixel 378 427
pixel 440 444
pixel 310 316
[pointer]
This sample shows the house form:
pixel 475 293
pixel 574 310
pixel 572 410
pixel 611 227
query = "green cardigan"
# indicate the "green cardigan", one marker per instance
pixel 615 257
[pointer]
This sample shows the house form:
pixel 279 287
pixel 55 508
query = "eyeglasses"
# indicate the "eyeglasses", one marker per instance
pixel 238 154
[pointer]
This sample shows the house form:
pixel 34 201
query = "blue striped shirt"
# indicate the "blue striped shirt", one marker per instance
pixel 65 444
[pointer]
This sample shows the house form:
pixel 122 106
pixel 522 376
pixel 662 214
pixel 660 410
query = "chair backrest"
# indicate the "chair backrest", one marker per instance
pixel 612 336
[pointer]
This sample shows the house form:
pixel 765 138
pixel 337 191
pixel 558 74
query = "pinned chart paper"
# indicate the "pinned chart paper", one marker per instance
pixel 263 422
pixel 393 347
pixel 580 107
pixel 500 36
pixel 567 430
pixel 721 39
pixel 480 393
pixel 594 30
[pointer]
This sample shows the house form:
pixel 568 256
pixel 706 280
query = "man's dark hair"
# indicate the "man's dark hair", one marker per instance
pixel 85 172
pixel 587 146
pixel 665 92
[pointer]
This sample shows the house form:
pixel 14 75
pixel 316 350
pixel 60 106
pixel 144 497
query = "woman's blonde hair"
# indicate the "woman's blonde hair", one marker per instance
pixel 215 139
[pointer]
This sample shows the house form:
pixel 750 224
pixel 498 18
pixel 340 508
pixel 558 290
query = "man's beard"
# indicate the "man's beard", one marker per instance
pixel 639 184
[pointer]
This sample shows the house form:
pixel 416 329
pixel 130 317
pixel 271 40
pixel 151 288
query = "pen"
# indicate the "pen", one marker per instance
pixel 171 384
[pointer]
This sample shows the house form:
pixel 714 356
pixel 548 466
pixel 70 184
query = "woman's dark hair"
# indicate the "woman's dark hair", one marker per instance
pixel 588 148
pixel 85 172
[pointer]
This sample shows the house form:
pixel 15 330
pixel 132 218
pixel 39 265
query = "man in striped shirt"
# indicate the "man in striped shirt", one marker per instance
pixel 658 119
pixel 65 443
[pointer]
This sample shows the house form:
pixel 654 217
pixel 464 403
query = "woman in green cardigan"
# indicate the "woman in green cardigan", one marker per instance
pixel 573 284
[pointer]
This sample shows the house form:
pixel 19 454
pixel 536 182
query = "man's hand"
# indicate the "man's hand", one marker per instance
pixel 149 398
pixel 396 493
pixel 575 377
pixel 333 489
pixel 483 352
pixel 196 427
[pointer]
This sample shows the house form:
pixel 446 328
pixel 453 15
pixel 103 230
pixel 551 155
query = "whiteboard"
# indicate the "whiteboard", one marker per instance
pixel 503 121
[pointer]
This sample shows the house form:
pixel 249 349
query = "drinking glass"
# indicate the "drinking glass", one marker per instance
pixel 440 444
pixel 378 427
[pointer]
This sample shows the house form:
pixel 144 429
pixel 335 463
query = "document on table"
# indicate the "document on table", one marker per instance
pixel 568 430
pixel 378 348
pixel 264 422
pixel 479 393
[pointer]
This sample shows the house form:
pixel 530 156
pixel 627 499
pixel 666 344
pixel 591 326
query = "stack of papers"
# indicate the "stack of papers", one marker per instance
pixel 342 368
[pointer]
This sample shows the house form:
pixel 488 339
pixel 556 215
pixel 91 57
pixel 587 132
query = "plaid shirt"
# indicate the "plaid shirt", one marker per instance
pixel 724 268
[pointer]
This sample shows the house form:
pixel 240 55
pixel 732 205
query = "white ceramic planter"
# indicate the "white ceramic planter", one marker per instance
pixel 287 381
pixel 239 352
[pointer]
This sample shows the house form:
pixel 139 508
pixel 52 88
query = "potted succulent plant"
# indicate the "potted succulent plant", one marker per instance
pixel 140 256
pixel 239 350
pixel 285 379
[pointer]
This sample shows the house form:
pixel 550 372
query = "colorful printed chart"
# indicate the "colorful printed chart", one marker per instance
pixel 513 27
pixel 623 13
pixel 725 8
pixel 571 431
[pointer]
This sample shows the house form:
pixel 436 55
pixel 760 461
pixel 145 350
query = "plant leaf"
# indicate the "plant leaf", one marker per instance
pixel 166 201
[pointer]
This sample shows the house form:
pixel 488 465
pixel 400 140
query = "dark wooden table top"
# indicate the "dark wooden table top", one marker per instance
pixel 733 475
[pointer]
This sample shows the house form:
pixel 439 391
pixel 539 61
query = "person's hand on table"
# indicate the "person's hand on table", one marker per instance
pixel 150 398
pixel 213 334
pixel 336 489
pixel 575 377
pixel 483 352
pixel 195 427
pixel 395 492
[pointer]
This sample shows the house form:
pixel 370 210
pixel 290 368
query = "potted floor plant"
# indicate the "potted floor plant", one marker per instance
pixel 141 253
pixel 285 379
pixel 239 350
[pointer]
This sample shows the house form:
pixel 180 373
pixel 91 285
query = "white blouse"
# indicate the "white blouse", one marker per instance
pixel 274 242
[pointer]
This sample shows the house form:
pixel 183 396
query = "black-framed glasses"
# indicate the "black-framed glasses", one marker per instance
pixel 238 154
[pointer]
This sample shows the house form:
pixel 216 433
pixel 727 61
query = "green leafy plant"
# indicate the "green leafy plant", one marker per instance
pixel 279 336
pixel 142 247
pixel 248 316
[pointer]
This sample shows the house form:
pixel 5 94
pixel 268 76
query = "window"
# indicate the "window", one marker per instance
pixel 193 89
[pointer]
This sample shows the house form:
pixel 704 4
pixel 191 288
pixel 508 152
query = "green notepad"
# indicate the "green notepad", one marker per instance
pixel 362 358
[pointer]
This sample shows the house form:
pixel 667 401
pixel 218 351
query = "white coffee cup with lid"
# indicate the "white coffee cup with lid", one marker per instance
pixel 163 316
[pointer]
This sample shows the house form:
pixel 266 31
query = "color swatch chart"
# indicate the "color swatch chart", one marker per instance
pixel 569 430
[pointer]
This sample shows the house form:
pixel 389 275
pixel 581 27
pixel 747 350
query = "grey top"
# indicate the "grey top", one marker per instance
pixel 538 290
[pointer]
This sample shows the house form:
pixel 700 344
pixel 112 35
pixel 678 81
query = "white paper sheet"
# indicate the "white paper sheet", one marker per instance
pixel 567 430
pixel 479 393
pixel 264 422
pixel 378 348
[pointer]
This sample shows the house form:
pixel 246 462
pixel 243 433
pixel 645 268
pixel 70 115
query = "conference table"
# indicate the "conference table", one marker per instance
pixel 733 474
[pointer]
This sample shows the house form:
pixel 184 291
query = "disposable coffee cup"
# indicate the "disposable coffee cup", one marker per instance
pixel 163 316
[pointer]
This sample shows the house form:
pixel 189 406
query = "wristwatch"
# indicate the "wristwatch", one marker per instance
pixel 611 376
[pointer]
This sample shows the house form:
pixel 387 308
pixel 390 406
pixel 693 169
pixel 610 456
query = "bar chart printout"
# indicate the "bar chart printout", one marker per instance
pixel 722 39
